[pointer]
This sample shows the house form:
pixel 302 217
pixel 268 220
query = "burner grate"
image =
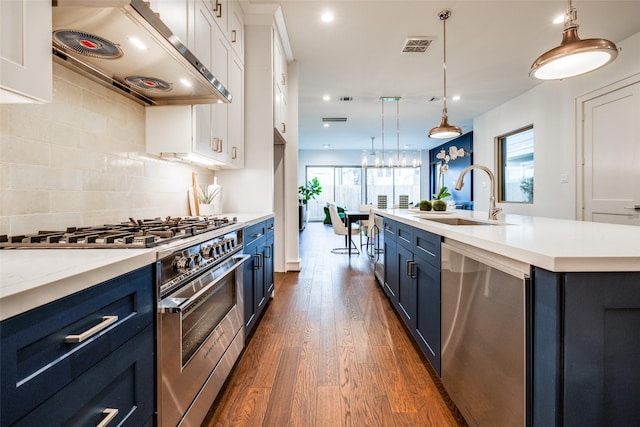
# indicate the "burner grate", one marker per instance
pixel 133 234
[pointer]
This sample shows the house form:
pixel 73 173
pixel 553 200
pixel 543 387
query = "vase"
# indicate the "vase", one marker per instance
pixel 216 201
pixel 207 210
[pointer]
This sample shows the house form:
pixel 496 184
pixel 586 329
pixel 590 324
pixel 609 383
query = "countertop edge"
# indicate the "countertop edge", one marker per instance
pixel 558 264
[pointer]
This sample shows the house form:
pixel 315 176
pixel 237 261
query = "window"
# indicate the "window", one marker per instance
pixel 392 182
pixel 340 185
pixel 515 160
pixel 343 185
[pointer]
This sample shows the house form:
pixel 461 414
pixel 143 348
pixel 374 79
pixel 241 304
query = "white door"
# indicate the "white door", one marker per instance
pixel 611 147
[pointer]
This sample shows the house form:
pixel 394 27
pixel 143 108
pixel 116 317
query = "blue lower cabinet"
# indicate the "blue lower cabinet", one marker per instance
pixel 49 349
pixel 412 283
pixel 258 271
pixel 119 387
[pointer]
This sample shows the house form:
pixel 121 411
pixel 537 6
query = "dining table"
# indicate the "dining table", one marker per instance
pixel 350 218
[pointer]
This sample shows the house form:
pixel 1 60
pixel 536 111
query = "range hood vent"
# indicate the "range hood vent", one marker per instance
pixel 334 119
pixel 94 37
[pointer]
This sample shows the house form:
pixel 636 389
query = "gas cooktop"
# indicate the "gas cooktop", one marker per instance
pixel 135 233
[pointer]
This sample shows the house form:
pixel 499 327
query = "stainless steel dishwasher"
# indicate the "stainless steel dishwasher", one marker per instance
pixel 484 330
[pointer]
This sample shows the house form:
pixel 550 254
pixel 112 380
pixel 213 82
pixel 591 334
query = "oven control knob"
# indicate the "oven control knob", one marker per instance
pixel 184 263
pixel 207 252
pixel 219 250
pixel 197 259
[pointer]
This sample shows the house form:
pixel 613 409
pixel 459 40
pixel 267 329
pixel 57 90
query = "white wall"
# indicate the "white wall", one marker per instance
pixel 551 108
pixel 81 161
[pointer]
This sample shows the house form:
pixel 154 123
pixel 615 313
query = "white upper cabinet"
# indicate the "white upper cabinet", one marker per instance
pixel 236 33
pixel 222 14
pixel 25 51
pixel 236 113
pixel 175 14
pixel 212 131
pixel 280 90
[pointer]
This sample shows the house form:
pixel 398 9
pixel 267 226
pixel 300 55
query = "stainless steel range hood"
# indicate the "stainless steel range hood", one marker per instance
pixel 95 38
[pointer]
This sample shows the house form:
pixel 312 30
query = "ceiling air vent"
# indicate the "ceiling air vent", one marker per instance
pixel 346 98
pixel 334 119
pixel 417 44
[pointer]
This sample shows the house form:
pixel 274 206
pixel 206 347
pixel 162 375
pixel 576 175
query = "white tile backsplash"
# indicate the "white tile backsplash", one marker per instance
pixel 80 161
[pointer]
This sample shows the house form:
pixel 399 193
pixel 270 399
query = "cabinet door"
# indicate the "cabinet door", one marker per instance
pixel 220 125
pixel 203 33
pixel 249 306
pixel 220 9
pixel 427 317
pixel 406 287
pixel 121 384
pixel 601 349
pixel 25 51
pixel 236 113
pixel 391 270
pixel 42 351
pixel 268 268
pixel 236 36
pixel 174 13
pixel 259 279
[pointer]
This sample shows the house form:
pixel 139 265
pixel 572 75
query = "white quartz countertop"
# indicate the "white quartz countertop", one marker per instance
pixel 30 278
pixel 558 245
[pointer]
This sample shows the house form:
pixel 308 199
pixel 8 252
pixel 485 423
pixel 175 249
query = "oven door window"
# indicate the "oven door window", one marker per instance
pixel 202 316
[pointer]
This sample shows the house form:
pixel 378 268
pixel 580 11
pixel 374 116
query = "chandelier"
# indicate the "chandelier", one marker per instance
pixel 371 160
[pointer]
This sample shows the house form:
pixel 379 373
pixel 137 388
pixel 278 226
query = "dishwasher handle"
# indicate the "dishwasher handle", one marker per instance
pixel 510 266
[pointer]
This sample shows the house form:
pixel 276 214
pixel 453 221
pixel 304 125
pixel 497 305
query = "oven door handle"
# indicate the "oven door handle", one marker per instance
pixel 171 304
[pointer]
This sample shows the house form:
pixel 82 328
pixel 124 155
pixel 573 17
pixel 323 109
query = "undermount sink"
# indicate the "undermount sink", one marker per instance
pixel 463 221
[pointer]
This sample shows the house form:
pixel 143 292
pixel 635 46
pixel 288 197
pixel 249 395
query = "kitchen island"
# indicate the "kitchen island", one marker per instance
pixel 575 327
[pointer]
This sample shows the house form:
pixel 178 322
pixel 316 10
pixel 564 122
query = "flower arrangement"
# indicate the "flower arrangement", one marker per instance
pixel 445 158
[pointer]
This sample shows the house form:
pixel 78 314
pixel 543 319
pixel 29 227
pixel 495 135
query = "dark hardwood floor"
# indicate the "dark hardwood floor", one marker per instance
pixel 330 351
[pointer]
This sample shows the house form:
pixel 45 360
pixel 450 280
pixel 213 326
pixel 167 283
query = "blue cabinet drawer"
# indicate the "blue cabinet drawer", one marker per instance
pixel 427 247
pixel 269 227
pixel 404 235
pixel 121 382
pixel 253 233
pixel 39 356
pixel 390 228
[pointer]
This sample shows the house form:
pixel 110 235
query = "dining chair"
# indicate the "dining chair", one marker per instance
pixel 370 232
pixel 341 230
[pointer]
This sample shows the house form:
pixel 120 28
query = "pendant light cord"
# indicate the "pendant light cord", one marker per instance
pixel 398 130
pixel 443 17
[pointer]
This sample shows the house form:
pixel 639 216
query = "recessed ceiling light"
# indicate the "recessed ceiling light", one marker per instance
pixel 559 19
pixel 327 17
pixel 456 98
pixel 326 98
pixel 137 43
pixel 326 125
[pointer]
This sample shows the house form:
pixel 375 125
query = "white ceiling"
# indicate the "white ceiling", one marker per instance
pixel 490 47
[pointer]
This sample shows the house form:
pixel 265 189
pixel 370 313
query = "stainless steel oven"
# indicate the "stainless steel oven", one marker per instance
pixel 200 326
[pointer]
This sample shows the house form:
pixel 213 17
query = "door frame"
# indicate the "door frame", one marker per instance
pixel 580 116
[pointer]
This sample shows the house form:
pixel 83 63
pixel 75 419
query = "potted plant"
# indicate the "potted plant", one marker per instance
pixel 307 192
pixel 207 198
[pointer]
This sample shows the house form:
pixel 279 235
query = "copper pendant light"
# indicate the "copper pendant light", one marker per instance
pixel 445 130
pixel 574 56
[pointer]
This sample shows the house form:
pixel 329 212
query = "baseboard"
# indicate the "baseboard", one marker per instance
pixel 294 265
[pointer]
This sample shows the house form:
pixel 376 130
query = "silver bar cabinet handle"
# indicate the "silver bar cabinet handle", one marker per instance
pixel 110 413
pixel 106 321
